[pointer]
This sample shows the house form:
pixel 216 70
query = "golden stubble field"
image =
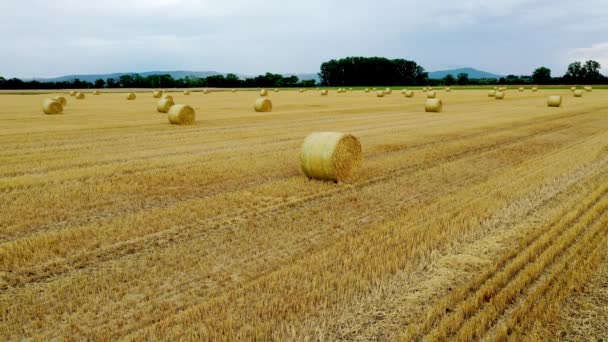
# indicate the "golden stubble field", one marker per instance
pixel 488 220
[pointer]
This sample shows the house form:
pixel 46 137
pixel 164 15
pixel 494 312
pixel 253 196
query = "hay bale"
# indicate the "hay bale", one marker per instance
pixel 50 106
pixel 535 89
pixel 448 89
pixel 425 89
pixel 499 95
pixel 157 94
pixel 409 93
pixel 554 101
pixel 521 89
pixel 167 97
pixel 61 100
pixel 572 89
pixel 186 92
pixel 205 91
pixel 263 92
pixel 331 156
pixel 72 92
pixel 131 96
pixel 163 105
pixel 350 89
pixel 491 93
pixel 588 89
pixel 578 93
pixel 495 88
pixel 96 92
pixel 263 105
pixel 366 90
pixel 80 96
pixel 324 92
pixel 431 94
pixel 181 115
pixel 276 90
pixel 380 93
pixel 301 90
pixel 403 91
pixel 433 105
pixel 388 91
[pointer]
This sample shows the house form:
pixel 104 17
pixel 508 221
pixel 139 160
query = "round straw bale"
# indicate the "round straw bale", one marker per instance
pixel 448 89
pixel 429 88
pixel 186 92
pixel 409 93
pixel 578 93
pixel 380 93
pixel 263 105
pixel 572 88
pixel 431 94
pixel 588 89
pixel 521 89
pixel 131 96
pixel 301 90
pixel 167 97
pixel 491 93
pixel 388 91
pixel 499 95
pixel 374 89
pixel 403 91
pixel 181 115
pixel 534 89
pixel 433 105
pixel 96 92
pixel 425 89
pixel 263 92
pixel 276 90
pixel 50 106
pixel 495 88
pixel 554 101
pixel 61 100
pixel 205 91
pixel 163 105
pixel 157 94
pixel 80 96
pixel 350 89
pixel 72 92
pixel 331 156
pixel 366 90
pixel 324 92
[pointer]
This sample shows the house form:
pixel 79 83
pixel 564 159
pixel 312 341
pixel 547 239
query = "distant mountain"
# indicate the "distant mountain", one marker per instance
pixel 175 74
pixel 473 73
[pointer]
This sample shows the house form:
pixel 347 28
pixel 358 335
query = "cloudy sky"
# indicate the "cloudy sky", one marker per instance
pixel 42 38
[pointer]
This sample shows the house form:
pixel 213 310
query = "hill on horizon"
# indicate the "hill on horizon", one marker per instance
pixel 472 72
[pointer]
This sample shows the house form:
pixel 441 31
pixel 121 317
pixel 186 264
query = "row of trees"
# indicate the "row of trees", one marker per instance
pixel 373 71
pixel 268 80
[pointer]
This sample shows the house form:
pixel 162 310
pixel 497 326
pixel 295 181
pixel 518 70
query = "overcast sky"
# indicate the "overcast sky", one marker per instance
pixel 42 38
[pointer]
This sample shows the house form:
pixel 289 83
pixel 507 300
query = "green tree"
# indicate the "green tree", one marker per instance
pixel 449 80
pixel 462 78
pixel 99 83
pixel 542 75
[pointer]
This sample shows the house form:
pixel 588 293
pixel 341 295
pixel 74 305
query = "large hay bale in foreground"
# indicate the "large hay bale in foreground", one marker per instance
pixel 578 93
pixel 186 92
pixel 409 93
pixel 324 92
pixel 50 106
pixel 72 92
pixel 499 95
pixel 80 96
pixel 331 156
pixel 181 115
pixel 588 89
pixel 491 93
pixel 61 100
pixel 157 94
pixel 554 101
pixel 263 92
pixel 163 105
pixel 433 105
pixel 431 94
pixel 380 93
pixel 263 105
pixel 131 96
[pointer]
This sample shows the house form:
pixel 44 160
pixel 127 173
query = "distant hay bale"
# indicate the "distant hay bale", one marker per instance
pixel 157 94
pixel 331 156
pixel 50 106
pixel 578 93
pixel 521 89
pixel 554 101
pixel 163 105
pixel 234 90
pixel 388 91
pixel 433 105
pixel 431 94
pixel 350 89
pixel 374 89
pixel 301 90
pixel 448 89
pixel 276 90
pixel 263 105
pixel 263 92
pixel 61 100
pixel 181 115
pixel 366 90
pixel 409 93
pixel 80 96
pixel 186 92
pixel 96 92
pixel 499 95
pixel 425 89
pixel 131 96
pixel 205 91
pixel 535 89
pixel 491 93
pixel 403 91
pixel 429 88
pixel 324 92
pixel 72 92
pixel 495 88
pixel 380 93
pixel 588 89
pixel 572 88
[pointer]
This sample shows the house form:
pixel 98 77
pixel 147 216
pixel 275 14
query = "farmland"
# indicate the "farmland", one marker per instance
pixel 487 220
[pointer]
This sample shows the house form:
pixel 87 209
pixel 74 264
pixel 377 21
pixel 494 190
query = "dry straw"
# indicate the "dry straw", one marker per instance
pixel 50 106
pixel 491 93
pixel 324 92
pixel 181 115
pixel 163 105
pixel 499 95
pixel 263 105
pixel 380 93
pixel 61 100
pixel 157 94
pixel 588 89
pixel 578 93
pixel 164 90
pixel 409 93
pixel 263 92
pixel 80 96
pixel 331 156
pixel 131 96
pixel 433 105
pixel 554 101
pixel 431 94
pixel 186 92
pixel 72 92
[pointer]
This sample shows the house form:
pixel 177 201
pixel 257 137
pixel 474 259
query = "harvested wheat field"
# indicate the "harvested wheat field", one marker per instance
pixel 487 220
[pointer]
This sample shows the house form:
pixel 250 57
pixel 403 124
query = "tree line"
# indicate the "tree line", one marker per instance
pixel 268 80
pixel 371 71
